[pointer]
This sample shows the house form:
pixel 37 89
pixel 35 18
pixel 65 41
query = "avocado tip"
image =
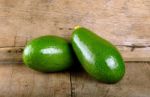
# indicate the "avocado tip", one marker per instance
pixel 76 27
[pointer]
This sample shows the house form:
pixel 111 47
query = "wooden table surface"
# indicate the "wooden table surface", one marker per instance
pixel 126 23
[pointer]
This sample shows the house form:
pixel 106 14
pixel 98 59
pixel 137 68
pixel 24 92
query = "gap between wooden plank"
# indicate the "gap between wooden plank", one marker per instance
pixel 71 88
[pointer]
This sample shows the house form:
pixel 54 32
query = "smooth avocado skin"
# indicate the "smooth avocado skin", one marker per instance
pixel 98 57
pixel 48 54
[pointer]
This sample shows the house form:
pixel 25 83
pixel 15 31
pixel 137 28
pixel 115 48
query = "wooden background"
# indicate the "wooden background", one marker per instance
pixel 126 23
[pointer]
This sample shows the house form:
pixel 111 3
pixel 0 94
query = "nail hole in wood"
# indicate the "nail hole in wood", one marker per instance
pixel 60 28
pixel 70 28
pixel 9 51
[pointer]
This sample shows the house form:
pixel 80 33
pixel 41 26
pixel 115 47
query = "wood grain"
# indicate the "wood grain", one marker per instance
pixel 124 23
pixel 136 83
pixel 20 81
pixel 11 54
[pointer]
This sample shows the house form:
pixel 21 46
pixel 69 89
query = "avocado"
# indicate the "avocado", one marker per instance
pixel 99 57
pixel 48 54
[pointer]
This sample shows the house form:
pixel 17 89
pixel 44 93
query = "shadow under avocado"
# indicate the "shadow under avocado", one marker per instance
pixel 76 66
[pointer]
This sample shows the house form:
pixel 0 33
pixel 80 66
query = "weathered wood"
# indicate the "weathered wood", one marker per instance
pixel 125 22
pixel 11 54
pixel 16 80
pixel 136 83
pixel 20 81
pixel 135 53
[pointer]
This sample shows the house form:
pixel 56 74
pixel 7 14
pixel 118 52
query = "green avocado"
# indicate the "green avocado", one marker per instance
pixel 48 54
pixel 98 57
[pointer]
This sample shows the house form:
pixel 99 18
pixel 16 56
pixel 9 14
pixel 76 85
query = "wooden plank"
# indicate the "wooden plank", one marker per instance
pixel 135 53
pixel 136 83
pixel 16 80
pixel 124 22
pixel 11 54
pixel 14 54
